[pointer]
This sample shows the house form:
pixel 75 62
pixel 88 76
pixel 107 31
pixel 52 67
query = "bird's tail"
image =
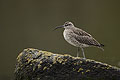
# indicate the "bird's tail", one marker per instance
pixel 101 48
pixel 101 45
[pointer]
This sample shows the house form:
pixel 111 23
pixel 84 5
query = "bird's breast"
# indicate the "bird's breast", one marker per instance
pixel 69 37
pixel 67 34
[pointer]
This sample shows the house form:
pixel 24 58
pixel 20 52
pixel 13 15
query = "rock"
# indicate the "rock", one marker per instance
pixel 34 64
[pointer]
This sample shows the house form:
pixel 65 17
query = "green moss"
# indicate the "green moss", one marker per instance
pixel 74 69
pixel 88 70
pixel 82 72
pixel 80 69
pixel 44 68
pixel 39 66
pixel 42 61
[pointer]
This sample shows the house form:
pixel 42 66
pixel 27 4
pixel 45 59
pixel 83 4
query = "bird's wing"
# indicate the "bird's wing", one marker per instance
pixel 81 32
pixel 85 38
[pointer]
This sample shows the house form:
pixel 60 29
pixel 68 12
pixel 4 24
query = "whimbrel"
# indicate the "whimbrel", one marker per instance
pixel 78 37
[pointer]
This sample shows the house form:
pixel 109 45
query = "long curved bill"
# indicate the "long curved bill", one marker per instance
pixel 58 27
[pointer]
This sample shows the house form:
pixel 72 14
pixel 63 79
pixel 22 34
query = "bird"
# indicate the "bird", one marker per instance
pixel 79 38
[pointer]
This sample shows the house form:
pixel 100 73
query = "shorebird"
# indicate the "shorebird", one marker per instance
pixel 78 37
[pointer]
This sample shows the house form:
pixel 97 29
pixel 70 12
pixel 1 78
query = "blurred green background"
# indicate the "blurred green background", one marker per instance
pixel 29 23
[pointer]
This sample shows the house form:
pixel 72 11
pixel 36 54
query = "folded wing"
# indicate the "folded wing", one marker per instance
pixel 85 38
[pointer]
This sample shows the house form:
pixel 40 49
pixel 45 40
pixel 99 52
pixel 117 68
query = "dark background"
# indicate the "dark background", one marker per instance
pixel 29 23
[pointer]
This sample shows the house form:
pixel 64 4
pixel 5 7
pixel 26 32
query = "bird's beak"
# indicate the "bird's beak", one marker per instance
pixel 59 27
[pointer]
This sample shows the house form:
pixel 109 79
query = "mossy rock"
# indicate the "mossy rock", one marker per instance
pixel 34 64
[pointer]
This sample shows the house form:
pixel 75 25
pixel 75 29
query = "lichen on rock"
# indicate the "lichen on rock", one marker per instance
pixel 34 64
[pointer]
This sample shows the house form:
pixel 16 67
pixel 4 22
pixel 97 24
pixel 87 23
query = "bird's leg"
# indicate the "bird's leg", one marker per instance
pixel 78 50
pixel 83 53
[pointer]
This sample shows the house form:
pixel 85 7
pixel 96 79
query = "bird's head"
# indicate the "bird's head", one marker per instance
pixel 66 25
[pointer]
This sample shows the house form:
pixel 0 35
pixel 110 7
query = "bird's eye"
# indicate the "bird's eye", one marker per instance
pixel 67 24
